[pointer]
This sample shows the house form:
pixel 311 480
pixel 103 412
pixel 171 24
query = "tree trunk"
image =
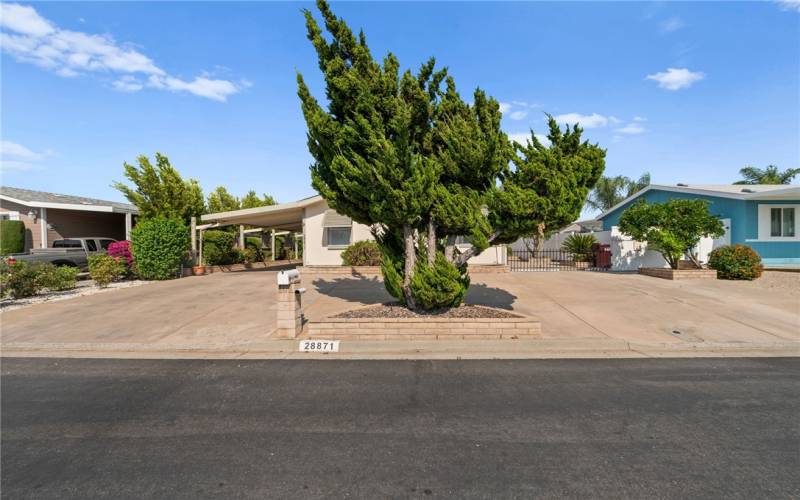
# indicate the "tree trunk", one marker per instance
pixel 410 262
pixel 431 242
pixel 539 240
pixel 450 248
pixel 470 252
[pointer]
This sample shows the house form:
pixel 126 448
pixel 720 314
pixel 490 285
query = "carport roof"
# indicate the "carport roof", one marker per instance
pixel 285 216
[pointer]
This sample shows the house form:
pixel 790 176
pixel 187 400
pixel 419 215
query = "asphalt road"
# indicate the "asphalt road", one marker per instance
pixel 695 428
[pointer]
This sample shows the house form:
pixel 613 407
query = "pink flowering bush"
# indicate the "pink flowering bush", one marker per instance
pixel 121 250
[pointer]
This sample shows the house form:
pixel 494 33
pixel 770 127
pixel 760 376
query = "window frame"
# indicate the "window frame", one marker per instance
pixel 765 221
pixel 330 230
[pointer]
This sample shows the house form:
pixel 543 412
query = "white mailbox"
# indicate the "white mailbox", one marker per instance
pixel 289 277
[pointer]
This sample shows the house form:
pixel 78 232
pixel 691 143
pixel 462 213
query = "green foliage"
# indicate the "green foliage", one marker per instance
pixel 160 245
pixel 219 200
pixel 105 269
pixel 218 248
pixel 673 228
pixel 440 285
pixel 58 278
pixel 253 245
pixel 160 191
pixel 549 184
pixel 362 253
pixel 769 175
pixel 12 237
pixel 736 262
pixel 251 200
pixel 579 244
pixel 609 191
pixel 21 279
pixel 405 152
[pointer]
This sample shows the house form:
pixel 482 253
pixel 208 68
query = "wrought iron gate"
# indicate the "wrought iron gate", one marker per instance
pixel 598 259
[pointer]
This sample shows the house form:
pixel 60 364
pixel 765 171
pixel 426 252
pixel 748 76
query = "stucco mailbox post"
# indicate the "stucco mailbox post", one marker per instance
pixel 290 316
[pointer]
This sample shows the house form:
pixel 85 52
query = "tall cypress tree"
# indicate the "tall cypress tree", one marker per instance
pixel 404 153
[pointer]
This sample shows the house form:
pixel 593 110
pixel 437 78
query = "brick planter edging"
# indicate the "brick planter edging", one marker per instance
pixel 678 274
pixel 425 328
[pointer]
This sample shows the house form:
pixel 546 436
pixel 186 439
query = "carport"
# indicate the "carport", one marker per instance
pixel 282 219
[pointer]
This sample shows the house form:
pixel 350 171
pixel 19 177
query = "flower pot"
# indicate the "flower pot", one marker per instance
pixel 198 270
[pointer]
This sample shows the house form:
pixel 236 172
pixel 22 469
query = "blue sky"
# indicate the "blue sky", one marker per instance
pixel 690 92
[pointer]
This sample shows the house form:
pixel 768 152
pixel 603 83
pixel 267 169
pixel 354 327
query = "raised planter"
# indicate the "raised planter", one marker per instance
pixel 425 328
pixel 678 274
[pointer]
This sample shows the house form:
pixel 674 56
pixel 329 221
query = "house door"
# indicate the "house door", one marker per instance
pixel 725 239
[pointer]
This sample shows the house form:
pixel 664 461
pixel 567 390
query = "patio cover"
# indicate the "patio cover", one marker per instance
pixel 285 216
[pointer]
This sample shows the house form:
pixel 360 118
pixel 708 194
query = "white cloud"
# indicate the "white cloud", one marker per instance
pixel 630 129
pixel 505 107
pixel 24 19
pixel 523 137
pixel 30 38
pixel 639 119
pixel 676 78
pixel 586 121
pixel 518 115
pixel 671 24
pixel 613 119
pixel 790 5
pixel 127 83
pixel 14 156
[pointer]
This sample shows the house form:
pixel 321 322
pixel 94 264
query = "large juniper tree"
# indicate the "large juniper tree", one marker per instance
pixel 404 153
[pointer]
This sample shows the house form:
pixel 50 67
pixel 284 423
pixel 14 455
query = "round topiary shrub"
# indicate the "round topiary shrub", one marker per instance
pixel 736 262
pixel 362 253
pixel 218 248
pixel 105 269
pixel 160 245
pixel 12 237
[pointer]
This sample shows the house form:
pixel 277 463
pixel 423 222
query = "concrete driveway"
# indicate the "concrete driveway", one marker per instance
pixel 239 308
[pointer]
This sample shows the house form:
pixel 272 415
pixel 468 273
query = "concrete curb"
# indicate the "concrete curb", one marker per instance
pixel 401 349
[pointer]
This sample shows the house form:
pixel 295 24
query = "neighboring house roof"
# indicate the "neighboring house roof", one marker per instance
pixel 734 191
pixel 41 199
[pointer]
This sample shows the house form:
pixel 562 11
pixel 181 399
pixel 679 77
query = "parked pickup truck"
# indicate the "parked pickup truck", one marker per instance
pixel 72 252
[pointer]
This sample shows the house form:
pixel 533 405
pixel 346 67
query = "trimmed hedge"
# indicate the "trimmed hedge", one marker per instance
pixel 105 269
pixel 160 245
pixel 362 253
pixel 218 248
pixel 736 262
pixel 12 237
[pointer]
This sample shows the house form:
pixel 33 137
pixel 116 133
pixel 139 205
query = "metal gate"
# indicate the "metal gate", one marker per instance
pixel 599 259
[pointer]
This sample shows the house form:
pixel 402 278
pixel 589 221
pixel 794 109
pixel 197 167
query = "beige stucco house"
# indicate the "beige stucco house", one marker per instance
pixel 50 216
pixel 325 232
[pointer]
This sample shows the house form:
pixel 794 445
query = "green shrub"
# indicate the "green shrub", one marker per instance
pixel 21 279
pixel 440 285
pixel 579 244
pixel 12 237
pixel 736 262
pixel 362 253
pixel 58 278
pixel 160 245
pixel 105 269
pixel 254 245
pixel 218 248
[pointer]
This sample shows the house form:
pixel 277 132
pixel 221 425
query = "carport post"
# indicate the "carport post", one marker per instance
pixel 128 225
pixel 241 236
pixel 193 223
pixel 272 245
pixel 294 238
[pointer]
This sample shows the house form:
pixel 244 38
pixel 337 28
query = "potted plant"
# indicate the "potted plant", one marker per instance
pixel 580 246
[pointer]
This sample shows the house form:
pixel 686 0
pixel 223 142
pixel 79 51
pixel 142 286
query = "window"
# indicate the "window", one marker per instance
pixel 105 243
pixel 67 244
pixel 9 215
pixel 338 236
pixel 91 246
pixel 781 222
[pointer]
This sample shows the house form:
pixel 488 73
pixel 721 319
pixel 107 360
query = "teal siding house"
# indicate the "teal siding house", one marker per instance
pixel 764 217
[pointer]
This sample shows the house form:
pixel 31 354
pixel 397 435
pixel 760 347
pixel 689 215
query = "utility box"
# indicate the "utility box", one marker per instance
pixel 602 255
pixel 290 302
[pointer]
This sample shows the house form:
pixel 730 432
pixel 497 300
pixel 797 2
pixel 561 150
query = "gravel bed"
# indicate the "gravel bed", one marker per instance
pixel 395 310
pixel 84 288
pixel 777 280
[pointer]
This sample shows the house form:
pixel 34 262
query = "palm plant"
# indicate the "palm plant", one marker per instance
pixel 610 191
pixel 580 245
pixel 769 175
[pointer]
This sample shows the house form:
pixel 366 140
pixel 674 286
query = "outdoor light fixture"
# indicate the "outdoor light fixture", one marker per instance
pixel 33 214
